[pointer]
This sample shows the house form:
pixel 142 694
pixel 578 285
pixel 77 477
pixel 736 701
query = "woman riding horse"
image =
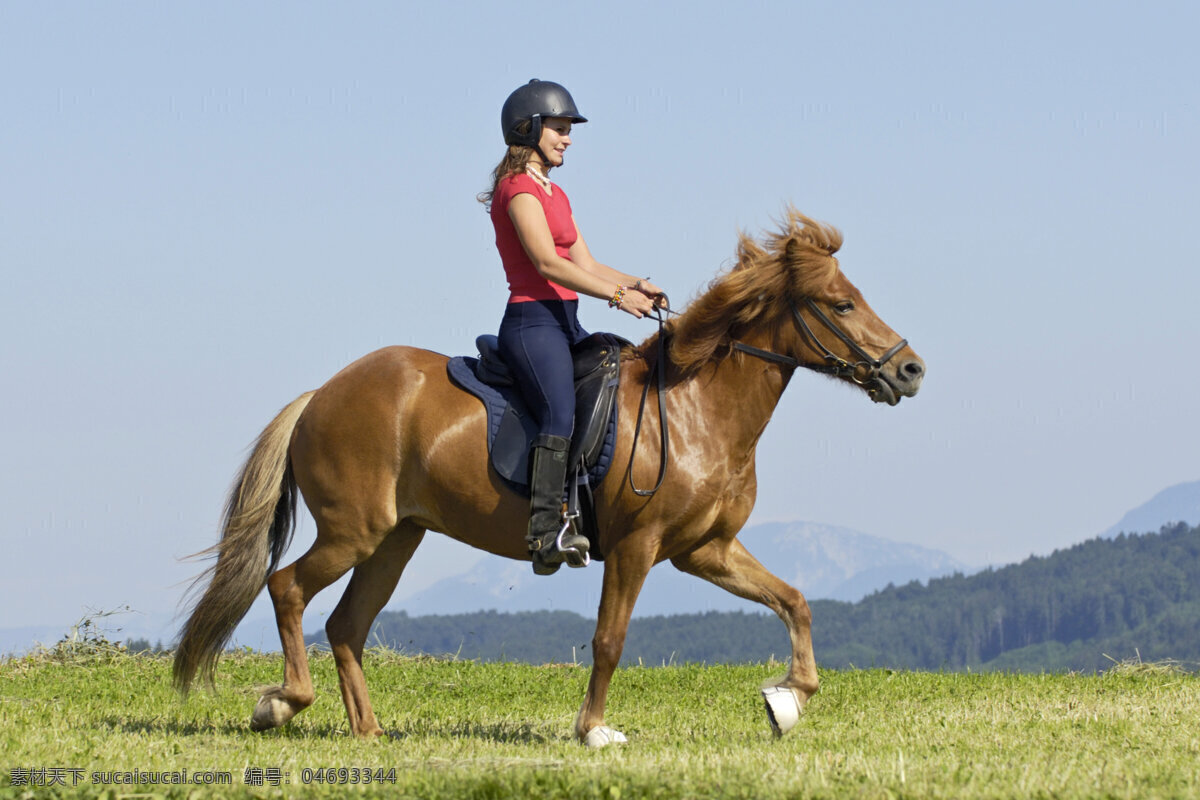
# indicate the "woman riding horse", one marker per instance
pixel 390 448
pixel 548 264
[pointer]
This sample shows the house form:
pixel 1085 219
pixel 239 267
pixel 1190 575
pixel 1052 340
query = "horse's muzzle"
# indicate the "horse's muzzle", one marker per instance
pixel 889 387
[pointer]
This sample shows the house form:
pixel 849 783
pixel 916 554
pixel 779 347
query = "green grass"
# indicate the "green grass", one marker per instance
pixel 467 729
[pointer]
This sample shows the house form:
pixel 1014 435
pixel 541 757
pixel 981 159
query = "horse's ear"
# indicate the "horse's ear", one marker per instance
pixel 793 252
pixel 807 264
pixel 797 258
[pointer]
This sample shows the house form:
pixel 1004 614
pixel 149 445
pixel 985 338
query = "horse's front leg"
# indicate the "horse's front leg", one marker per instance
pixel 728 564
pixel 625 570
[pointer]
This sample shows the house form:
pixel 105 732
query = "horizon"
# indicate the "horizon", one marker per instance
pixel 259 628
pixel 95 624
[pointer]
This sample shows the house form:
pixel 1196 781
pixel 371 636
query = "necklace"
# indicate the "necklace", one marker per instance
pixel 542 180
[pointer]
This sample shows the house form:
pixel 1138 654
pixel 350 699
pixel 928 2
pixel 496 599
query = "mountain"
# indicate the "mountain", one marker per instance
pixel 1177 504
pixel 823 561
pixel 1132 596
pixel 1083 608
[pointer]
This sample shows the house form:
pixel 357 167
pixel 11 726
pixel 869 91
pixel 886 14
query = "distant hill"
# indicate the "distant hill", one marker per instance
pixel 823 561
pixel 1177 504
pixel 1075 609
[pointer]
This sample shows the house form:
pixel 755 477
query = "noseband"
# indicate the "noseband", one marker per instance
pixel 834 364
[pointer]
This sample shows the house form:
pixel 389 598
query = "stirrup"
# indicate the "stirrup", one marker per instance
pixel 548 557
pixel 572 555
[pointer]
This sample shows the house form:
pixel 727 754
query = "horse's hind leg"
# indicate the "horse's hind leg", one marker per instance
pixel 291 590
pixel 728 564
pixel 371 585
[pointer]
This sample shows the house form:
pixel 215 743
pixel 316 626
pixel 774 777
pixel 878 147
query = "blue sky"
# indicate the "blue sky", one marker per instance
pixel 207 209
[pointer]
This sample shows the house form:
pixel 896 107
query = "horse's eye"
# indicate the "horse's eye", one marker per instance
pixel 844 307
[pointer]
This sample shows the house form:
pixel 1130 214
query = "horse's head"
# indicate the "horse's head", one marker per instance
pixel 825 323
pixel 787 293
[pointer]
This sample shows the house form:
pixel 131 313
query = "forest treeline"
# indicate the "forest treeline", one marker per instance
pixel 1077 609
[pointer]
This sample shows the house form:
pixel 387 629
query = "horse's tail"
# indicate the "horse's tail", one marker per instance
pixel 260 517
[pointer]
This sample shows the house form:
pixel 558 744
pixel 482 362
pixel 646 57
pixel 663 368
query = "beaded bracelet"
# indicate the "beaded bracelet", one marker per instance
pixel 617 297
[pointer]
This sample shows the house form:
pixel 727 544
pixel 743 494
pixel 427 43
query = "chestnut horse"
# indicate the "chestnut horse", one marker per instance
pixel 389 448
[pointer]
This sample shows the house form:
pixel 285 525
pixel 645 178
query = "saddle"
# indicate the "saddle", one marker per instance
pixel 512 427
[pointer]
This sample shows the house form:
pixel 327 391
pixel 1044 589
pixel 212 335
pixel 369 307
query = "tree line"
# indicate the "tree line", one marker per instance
pixel 1077 609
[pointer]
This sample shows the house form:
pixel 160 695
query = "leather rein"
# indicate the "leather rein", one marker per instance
pixel 834 365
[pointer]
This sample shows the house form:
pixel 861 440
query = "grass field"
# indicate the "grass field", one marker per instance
pixel 474 730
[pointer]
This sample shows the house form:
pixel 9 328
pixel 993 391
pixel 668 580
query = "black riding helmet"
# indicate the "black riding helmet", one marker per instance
pixel 534 102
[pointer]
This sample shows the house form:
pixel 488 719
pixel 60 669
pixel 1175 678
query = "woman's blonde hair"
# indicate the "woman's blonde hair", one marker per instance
pixel 515 160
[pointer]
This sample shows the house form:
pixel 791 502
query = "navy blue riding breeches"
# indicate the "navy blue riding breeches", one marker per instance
pixel 536 339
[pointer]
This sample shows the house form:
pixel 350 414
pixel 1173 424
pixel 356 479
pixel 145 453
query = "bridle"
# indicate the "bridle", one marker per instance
pixel 834 365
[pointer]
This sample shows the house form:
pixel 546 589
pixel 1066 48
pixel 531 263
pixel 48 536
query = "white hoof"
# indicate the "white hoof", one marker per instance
pixel 602 735
pixel 269 712
pixel 783 708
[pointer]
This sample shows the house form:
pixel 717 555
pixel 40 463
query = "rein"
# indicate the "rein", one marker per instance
pixel 664 440
pixel 835 365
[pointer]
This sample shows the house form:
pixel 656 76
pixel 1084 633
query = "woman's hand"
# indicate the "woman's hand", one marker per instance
pixel 635 301
pixel 657 295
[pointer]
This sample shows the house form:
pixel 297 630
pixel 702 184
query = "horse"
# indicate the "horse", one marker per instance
pixel 389 448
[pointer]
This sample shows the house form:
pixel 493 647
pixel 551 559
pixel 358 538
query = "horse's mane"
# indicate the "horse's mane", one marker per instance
pixel 793 262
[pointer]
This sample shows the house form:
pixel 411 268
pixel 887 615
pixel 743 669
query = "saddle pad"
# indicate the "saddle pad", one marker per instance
pixel 511 427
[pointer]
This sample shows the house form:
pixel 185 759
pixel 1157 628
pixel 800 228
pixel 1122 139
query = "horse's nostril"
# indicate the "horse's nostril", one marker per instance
pixel 912 369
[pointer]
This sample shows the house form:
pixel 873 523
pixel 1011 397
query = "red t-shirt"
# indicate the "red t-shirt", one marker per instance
pixel 524 282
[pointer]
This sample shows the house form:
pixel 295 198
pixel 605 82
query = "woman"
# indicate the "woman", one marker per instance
pixel 548 265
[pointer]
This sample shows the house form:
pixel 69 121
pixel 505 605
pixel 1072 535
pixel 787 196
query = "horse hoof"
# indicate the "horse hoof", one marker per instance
pixel 602 736
pixel 270 712
pixel 783 708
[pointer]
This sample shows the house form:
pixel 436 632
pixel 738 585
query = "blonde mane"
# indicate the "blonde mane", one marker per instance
pixel 795 262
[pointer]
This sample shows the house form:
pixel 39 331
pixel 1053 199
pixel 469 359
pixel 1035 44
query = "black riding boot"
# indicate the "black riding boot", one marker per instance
pixel 547 479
